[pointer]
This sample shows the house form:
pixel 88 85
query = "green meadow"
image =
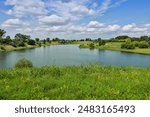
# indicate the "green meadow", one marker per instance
pixel 94 82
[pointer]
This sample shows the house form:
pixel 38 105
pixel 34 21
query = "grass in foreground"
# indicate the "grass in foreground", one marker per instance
pixel 75 82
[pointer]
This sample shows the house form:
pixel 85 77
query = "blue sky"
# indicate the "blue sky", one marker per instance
pixel 73 19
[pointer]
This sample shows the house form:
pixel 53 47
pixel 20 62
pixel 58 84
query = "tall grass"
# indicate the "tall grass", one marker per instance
pixel 75 82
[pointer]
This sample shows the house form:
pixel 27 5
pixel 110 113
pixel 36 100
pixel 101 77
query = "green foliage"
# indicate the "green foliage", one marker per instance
pixel 31 42
pixel 22 37
pixel 143 44
pixel 101 42
pixel 37 39
pixel 91 45
pixel 136 43
pixel 2 32
pixel 2 48
pixel 39 44
pixel 128 44
pixel 75 83
pixel 22 44
pixel 122 37
pixel 23 63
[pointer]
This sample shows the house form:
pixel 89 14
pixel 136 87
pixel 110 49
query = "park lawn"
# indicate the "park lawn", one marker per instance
pixel 117 47
pixel 75 83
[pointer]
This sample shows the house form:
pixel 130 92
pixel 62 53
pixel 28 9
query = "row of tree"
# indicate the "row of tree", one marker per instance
pixel 132 44
pixel 22 40
pixel 124 38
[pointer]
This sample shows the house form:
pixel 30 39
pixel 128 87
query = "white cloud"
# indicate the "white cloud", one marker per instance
pixel 113 28
pixel 23 8
pixel 76 18
pixel 14 23
pixel 53 20
pixel 95 24
pixel 128 27
pixel 104 7
pixel 81 10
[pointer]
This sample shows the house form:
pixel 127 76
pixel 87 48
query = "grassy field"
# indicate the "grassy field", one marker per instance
pixel 117 47
pixel 76 82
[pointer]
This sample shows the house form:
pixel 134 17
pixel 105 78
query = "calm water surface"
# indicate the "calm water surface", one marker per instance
pixel 63 55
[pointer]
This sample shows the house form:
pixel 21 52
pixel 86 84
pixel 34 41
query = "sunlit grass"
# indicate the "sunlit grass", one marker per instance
pixel 75 82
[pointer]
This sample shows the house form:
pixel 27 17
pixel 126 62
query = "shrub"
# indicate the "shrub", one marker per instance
pixel 102 42
pixel 13 44
pixel 21 44
pixel 91 45
pixel 136 43
pixel 39 44
pixel 23 63
pixel 2 48
pixel 31 42
pixel 143 44
pixel 128 45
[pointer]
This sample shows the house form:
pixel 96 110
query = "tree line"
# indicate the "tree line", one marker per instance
pixel 20 40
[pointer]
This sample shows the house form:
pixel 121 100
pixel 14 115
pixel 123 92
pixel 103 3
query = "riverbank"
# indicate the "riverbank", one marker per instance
pixel 76 82
pixel 116 46
pixel 7 48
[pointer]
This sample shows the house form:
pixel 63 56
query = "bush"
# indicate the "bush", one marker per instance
pixel 136 43
pixel 143 44
pixel 102 42
pixel 23 63
pixel 13 44
pixel 31 42
pixel 21 44
pixel 2 48
pixel 91 45
pixel 39 44
pixel 128 46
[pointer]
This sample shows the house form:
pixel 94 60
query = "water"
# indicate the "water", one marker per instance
pixel 64 55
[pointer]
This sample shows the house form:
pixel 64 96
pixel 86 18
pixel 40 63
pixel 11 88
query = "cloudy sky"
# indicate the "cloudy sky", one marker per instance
pixel 75 19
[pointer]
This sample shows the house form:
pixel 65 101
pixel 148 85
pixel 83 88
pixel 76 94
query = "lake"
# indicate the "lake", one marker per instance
pixel 65 55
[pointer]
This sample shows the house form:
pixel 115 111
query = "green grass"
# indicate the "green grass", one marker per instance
pixel 76 82
pixel 117 47
pixel 11 48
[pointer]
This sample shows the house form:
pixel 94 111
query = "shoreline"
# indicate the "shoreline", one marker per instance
pixel 9 48
pixel 134 51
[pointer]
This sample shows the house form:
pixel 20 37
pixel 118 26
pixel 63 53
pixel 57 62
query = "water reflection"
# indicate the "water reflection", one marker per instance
pixel 72 55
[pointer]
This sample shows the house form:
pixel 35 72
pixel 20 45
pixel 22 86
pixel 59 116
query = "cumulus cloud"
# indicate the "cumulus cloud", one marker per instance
pixel 113 27
pixel 14 23
pixel 53 20
pixel 66 17
pixel 95 24
pixel 128 27
pixel 23 8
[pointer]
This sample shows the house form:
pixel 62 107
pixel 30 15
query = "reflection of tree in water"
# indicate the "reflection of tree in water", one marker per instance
pixel 3 56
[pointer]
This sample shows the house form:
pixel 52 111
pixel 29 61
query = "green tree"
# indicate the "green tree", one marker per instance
pixel 7 40
pixel 31 42
pixel 37 39
pixel 143 44
pixel 22 37
pixel 2 32
pixel 91 45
